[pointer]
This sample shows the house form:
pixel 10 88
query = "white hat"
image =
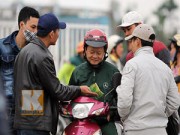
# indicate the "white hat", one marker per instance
pixel 143 31
pixel 130 18
pixel 112 42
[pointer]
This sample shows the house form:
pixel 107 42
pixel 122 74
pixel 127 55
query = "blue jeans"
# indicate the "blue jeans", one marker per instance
pixel 3 118
pixel 10 113
pixel 32 132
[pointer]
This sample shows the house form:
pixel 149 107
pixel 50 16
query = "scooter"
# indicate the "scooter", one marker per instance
pixel 83 109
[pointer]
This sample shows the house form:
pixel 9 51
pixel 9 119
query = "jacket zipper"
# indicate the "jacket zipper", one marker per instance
pixel 94 76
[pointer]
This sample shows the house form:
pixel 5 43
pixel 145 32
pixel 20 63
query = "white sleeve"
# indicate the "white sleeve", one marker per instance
pixel 173 98
pixel 125 91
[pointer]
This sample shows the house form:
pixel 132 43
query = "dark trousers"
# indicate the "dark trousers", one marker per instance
pixel 10 115
pixel 32 132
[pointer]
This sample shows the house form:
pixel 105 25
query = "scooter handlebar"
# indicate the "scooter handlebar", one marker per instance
pixel 177 79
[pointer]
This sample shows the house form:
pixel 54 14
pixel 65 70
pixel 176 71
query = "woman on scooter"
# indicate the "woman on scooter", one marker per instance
pixel 97 74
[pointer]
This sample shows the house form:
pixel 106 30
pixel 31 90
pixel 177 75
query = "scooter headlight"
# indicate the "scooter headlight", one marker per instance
pixel 81 111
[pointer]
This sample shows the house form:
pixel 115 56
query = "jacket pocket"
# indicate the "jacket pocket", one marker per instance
pixel 7 63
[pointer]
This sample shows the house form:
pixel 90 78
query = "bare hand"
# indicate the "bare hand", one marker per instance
pixel 86 91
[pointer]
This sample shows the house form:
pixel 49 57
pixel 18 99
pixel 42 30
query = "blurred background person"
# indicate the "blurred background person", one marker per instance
pixel 174 45
pixel 66 70
pixel 175 51
pixel 175 60
pixel 115 51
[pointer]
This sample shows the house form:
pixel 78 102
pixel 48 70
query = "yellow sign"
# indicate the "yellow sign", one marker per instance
pixel 32 102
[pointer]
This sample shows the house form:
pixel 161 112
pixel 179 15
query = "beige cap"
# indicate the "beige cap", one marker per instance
pixel 143 31
pixel 177 39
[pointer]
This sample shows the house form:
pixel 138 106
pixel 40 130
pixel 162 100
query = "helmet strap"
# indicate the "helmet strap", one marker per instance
pixel 105 56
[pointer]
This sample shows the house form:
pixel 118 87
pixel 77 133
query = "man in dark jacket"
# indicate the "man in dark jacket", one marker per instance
pixel 37 89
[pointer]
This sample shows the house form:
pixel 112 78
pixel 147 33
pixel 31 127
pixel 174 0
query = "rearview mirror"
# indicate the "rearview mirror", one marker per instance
pixel 116 81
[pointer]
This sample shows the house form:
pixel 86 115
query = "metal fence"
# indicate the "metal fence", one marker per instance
pixel 66 45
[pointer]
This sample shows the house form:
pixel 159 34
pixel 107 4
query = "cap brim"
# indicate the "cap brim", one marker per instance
pixel 129 37
pixel 174 40
pixel 124 25
pixel 62 25
pixel 95 43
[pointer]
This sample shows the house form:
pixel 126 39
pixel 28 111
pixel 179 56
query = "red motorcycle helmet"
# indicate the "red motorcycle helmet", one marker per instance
pixel 96 38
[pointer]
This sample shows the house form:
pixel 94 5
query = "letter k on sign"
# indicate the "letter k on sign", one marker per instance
pixel 32 102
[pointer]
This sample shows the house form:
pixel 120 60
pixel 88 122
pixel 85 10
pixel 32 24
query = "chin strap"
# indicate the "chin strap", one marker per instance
pixel 105 56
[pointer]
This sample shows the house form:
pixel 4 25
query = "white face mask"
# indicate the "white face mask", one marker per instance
pixel 29 35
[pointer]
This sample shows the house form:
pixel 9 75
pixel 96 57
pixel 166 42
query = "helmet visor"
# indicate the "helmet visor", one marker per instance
pixel 96 43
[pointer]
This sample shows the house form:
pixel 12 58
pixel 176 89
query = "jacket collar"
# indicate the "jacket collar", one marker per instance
pixel 97 67
pixel 144 50
pixel 38 42
pixel 10 39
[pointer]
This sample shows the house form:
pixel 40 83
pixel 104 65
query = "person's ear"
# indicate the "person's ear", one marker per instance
pixel 51 34
pixel 21 25
pixel 139 42
pixel 84 52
